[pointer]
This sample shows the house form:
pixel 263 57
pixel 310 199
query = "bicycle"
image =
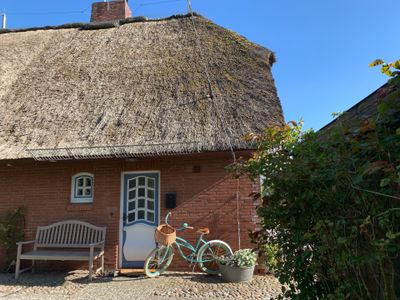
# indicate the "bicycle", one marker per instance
pixel 205 253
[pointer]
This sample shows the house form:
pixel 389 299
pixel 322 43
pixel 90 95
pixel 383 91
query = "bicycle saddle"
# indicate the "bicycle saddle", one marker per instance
pixel 203 230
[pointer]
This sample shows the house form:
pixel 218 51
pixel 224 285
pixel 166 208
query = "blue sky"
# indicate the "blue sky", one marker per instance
pixel 323 47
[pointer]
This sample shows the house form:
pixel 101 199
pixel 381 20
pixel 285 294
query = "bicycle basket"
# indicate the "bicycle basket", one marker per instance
pixel 165 235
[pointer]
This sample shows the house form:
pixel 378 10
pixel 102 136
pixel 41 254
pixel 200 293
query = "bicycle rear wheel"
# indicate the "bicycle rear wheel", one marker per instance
pixel 209 253
pixel 158 261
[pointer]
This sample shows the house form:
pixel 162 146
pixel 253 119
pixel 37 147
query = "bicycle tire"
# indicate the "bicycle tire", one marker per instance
pixel 209 253
pixel 152 265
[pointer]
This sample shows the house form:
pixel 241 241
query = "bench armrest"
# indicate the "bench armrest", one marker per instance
pixel 27 242
pixel 96 244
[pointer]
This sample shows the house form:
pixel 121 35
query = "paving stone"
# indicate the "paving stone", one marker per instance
pixel 170 285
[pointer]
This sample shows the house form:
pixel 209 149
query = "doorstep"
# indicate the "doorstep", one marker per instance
pixel 131 272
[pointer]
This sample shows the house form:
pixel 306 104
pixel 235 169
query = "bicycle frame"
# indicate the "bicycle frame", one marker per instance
pixel 182 243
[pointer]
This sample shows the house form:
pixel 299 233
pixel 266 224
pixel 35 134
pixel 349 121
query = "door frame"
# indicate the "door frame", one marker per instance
pixel 121 207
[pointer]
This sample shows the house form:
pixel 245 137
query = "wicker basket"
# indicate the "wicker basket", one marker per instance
pixel 165 235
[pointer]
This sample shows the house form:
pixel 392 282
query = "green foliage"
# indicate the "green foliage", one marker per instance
pixel 331 204
pixel 11 232
pixel 390 69
pixel 271 254
pixel 268 252
pixel 243 258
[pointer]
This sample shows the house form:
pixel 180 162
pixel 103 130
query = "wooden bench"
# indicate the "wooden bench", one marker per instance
pixel 67 240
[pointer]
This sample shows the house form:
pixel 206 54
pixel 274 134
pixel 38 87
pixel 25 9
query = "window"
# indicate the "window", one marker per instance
pixel 82 188
pixel 141 200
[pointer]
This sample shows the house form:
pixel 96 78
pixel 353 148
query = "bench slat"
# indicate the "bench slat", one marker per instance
pixel 84 235
pixel 59 255
pixel 43 236
pixel 52 234
pixel 65 237
pixel 61 234
pixel 69 234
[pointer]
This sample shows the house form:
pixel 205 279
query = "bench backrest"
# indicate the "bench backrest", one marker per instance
pixel 69 234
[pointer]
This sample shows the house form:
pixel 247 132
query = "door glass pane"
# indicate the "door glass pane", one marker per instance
pixel 132 195
pixel 141 203
pixel 132 205
pixel 150 182
pixel 131 217
pixel 140 214
pixel 150 205
pixel 141 192
pixel 150 216
pixel 142 181
pixel 132 183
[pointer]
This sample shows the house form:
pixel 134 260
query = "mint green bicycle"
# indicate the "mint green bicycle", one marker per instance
pixel 205 253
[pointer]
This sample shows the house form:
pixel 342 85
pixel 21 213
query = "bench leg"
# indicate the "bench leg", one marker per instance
pixel 17 266
pixel 102 264
pixel 18 263
pixel 90 268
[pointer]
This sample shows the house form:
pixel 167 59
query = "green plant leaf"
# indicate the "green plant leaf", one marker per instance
pixel 392 236
pixel 376 62
pixel 396 64
pixel 386 70
pixel 384 182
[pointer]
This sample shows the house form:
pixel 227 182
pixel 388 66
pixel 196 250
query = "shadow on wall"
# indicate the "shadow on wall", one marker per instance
pixel 216 207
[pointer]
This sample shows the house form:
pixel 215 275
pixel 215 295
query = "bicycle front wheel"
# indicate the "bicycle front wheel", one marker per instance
pixel 209 253
pixel 158 261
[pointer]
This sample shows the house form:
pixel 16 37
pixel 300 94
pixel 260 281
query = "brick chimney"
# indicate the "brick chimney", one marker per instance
pixel 110 10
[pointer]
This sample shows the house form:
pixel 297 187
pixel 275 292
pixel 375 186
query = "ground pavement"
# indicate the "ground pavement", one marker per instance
pixel 172 285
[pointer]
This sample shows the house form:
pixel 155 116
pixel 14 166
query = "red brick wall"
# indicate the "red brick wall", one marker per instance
pixel 109 11
pixel 207 198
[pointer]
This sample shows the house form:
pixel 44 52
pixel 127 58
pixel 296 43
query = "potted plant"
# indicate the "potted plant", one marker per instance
pixel 238 267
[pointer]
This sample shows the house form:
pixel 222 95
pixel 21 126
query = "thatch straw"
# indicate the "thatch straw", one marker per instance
pixel 139 83
pixel 366 109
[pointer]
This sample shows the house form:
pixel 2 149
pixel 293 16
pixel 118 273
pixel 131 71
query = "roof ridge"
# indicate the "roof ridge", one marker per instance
pixel 99 25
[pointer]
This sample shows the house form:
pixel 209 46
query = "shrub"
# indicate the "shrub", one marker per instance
pixel 11 232
pixel 331 204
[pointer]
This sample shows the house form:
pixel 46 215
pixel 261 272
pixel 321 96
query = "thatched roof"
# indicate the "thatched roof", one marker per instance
pixel 365 109
pixel 137 85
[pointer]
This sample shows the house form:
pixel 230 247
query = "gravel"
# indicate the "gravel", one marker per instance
pixel 172 285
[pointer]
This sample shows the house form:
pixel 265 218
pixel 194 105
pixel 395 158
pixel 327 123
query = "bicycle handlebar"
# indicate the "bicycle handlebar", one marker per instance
pixel 185 225
pixel 166 217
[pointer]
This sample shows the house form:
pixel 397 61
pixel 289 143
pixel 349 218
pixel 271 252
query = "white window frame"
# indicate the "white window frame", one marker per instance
pixel 81 199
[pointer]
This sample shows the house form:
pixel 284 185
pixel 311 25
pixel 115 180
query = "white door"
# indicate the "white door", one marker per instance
pixel 140 217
